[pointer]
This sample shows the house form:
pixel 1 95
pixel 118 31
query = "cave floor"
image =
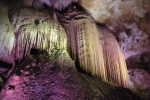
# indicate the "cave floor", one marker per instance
pixel 41 77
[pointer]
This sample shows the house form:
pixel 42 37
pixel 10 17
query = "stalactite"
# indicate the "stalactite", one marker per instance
pixel 96 50
pixel 35 30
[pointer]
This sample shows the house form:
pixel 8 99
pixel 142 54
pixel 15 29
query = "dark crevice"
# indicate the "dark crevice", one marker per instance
pixel 79 69
pixel 34 51
pixel 36 21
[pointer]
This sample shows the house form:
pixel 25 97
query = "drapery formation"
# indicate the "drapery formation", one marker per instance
pixel 95 49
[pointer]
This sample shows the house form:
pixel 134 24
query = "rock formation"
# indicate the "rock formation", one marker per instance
pixel 88 47
pixel 94 33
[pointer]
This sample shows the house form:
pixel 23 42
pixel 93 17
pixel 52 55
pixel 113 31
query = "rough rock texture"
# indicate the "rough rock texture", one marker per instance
pixel 139 74
pixel 113 11
pixel 139 61
pixel 140 79
pixel 133 40
pixel 42 77
pixel 140 82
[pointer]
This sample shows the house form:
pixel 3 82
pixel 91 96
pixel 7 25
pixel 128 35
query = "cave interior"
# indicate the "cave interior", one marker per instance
pixel 74 49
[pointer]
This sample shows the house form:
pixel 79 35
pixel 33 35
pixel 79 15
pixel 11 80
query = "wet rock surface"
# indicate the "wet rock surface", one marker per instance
pixel 41 77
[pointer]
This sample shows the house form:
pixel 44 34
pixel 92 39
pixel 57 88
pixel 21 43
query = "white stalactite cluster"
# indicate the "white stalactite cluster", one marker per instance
pixel 96 50
pixel 29 29
pixel 36 30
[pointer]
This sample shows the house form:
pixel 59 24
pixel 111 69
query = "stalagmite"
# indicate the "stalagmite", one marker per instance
pixel 96 50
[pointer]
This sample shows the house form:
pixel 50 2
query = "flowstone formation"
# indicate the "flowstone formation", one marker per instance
pixel 94 48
